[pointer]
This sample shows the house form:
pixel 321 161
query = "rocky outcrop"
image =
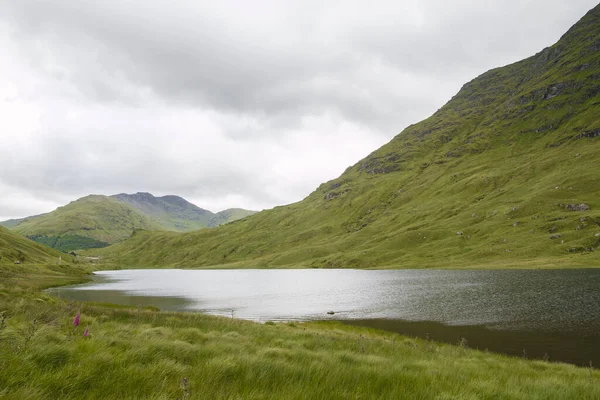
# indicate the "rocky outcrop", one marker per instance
pixel 588 134
pixel 577 207
pixel 381 165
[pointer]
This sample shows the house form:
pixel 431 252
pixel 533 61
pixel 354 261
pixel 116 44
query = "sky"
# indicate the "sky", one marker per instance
pixel 246 104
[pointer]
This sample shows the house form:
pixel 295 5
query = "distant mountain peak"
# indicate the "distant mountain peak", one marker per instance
pixel 176 213
pixel 98 220
pixel 139 197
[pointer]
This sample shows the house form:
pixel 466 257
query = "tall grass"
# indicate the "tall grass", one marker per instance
pixel 142 353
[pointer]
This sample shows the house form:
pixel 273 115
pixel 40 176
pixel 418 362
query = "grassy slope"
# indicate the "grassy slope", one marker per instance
pixel 99 219
pixel 11 223
pixel 17 248
pixel 142 353
pixel 498 162
pixel 96 221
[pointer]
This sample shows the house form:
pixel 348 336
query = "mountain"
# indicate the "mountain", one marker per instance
pixel 503 174
pixel 97 221
pixel 229 215
pixel 177 214
pixel 11 223
pixel 90 222
pixel 171 212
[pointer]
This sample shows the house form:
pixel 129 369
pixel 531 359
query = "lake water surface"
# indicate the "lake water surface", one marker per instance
pixel 553 312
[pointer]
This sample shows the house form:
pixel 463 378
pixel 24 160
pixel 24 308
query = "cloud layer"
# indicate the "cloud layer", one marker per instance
pixel 233 103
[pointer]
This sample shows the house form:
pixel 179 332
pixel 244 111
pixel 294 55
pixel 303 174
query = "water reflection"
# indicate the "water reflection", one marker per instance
pixel 504 311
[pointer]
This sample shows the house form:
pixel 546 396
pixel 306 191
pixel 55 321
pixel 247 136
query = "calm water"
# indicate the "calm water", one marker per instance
pixel 539 311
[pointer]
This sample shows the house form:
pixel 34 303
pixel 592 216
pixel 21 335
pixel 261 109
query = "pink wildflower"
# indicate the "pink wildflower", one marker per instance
pixel 86 333
pixel 76 320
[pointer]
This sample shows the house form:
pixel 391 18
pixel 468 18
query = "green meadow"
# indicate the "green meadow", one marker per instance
pixel 134 353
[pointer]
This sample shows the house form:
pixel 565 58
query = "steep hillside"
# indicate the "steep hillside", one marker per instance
pixel 15 248
pixel 174 213
pixel 90 222
pixel 495 177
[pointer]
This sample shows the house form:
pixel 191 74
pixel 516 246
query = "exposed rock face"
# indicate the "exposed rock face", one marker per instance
pixel 381 165
pixel 333 193
pixel 589 134
pixel 577 207
pixel 557 236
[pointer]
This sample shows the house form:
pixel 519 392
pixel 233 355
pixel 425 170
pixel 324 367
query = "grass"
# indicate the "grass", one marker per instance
pixel 97 221
pixel 143 353
pixel 15 248
pixel 499 162
pixel 91 221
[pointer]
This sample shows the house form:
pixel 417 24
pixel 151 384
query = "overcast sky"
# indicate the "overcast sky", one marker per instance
pixel 233 103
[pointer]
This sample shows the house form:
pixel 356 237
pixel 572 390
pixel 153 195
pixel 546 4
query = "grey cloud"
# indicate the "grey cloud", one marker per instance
pixel 233 99
pixel 188 56
pixel 470 36
pixel 255 64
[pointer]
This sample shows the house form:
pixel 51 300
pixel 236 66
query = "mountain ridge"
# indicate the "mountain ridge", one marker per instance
pixel 177 214
pixel 96 221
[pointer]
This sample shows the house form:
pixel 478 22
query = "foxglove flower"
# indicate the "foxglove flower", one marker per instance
pixel 76 320
pixel 86 333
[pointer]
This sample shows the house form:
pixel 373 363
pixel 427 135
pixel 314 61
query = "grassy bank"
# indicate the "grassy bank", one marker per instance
pixel 144 353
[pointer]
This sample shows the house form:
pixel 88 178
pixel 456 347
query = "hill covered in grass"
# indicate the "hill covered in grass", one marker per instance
pixel 97 221
pixel 90 222
pixel 15 248
pixel 504 174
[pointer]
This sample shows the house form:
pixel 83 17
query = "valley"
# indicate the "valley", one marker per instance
pixel 445 230
pixel 495 177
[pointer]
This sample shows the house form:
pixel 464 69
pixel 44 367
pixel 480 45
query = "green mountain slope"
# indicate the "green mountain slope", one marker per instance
pixel 174 213
pixel 97 221
pixel 11 223
pixel 15 248
pixel 90 222
pixel 495 177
